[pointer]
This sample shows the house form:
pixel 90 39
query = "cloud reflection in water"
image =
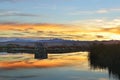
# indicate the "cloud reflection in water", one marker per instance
pixel 12 61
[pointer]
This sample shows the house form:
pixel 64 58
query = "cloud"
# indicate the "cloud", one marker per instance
pixel 40 32
pixel 17 33
pixel 99 36
pixel 112 30
pixel 3 34
pixel 99 29
pixel 16 13
pixel 10 0
pixel 15 29
pixel 100 11
pixel 94 29
pixel 97 23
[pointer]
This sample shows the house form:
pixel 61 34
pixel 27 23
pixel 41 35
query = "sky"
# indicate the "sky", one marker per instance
pixel 66 19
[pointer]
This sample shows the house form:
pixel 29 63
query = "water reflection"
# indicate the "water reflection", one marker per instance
pixel 106 57
pixel 71 66
pixel 12 61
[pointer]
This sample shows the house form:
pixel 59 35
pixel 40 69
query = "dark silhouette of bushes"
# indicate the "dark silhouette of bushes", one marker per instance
pixel 106 56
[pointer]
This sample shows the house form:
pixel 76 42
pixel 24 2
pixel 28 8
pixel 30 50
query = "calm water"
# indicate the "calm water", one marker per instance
pixel 70 66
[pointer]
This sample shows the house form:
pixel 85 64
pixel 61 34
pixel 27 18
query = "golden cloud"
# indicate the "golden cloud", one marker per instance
pixel 85 30
pixel 112 30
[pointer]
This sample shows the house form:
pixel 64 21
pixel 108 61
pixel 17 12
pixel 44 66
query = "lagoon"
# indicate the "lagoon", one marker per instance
pixel 68 66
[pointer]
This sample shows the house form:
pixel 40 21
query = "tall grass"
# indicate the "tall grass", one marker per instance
pixel 106 56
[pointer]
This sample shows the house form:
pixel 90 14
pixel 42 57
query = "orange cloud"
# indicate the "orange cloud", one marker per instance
pixel 68 31
pixel 35 27
pixel 112 30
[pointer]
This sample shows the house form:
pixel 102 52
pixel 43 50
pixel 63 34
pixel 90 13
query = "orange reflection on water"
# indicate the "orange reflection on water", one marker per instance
pixel 56 60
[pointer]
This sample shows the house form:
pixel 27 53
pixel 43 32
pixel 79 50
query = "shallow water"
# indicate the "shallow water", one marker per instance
pixel 70 66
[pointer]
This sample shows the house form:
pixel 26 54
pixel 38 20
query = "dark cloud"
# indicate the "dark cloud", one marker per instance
pixel 13 23
pixel 15 29
pixel 53 33
pixel 10 0
pixel 15 13
pixel 7 12
pixel 26 32
pixel 28 29
pixel 99 36
pixel 18 34
pixel 111 30
pixel 8 23
pixel 39 32
pixel 3 34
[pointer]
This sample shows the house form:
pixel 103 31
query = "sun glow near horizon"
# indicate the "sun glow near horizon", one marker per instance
pixel 115 37
pixel 64 31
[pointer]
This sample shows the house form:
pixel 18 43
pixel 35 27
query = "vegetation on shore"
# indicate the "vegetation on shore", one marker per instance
pixel 104 56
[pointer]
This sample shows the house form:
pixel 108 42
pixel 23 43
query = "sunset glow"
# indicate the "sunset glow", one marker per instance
pixel 64 31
